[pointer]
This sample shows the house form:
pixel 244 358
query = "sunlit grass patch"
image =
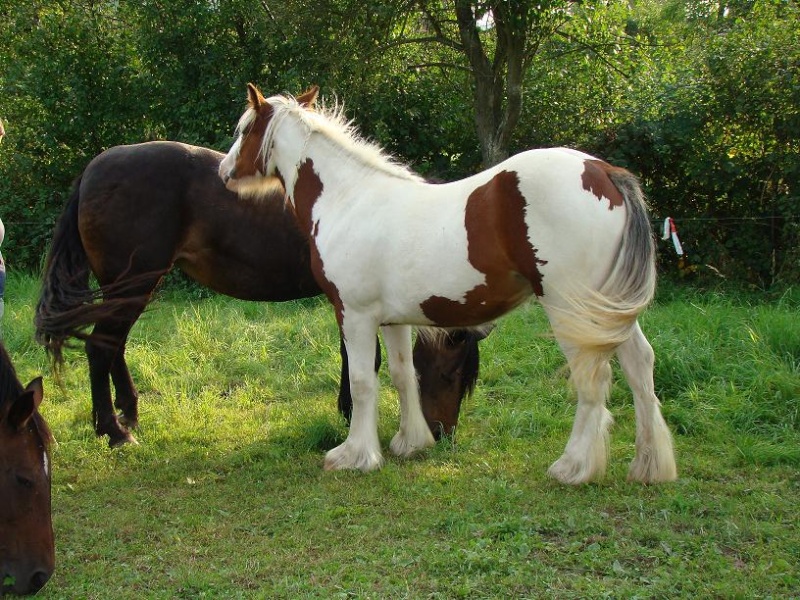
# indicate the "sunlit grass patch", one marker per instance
pixel 225 497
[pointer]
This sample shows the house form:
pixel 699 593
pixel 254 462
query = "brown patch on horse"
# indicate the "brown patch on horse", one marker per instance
pixel 498 247
pixel 307 189
pixel 596 178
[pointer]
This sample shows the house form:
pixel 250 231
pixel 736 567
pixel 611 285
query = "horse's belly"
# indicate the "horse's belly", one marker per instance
pixel 479 305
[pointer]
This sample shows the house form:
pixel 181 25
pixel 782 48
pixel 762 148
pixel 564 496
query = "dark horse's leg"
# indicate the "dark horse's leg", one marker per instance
pixel 105 350
pixel 101 355
pixel 127 396
pixel 345 399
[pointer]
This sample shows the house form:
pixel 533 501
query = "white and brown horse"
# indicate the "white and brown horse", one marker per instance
pixel 391 251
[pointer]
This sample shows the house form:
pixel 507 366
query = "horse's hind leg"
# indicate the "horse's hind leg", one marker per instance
pixel 414 434
pixel 126 395
pixel 586 454
pixel 655 459
pixel 105 350
pixel 102 350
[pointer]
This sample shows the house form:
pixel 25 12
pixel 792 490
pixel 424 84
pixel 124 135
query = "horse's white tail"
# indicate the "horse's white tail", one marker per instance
pixel 599 320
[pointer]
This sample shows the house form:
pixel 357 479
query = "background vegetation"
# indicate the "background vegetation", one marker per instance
pixel 698 98
pixel 226 496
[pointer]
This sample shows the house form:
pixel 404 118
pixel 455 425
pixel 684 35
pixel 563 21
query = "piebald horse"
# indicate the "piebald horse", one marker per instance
pixel 138 211
pixel 391 251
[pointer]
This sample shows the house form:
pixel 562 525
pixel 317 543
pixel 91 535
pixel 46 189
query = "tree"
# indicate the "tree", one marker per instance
pixel 497 41
pixel 713 131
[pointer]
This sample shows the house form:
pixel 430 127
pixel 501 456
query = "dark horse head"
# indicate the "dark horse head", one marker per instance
pixel 447 363
pixel 27 552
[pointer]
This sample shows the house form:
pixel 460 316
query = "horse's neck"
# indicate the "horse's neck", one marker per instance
pixel 290 146
pixel 336 168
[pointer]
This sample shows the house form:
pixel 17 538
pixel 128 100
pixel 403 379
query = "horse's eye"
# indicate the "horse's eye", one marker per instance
pixel 24 482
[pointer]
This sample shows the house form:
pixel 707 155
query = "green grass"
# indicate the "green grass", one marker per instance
pixel 226 496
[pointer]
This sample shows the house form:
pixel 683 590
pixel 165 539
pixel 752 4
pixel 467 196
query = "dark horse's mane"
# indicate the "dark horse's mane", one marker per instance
pixel 10 387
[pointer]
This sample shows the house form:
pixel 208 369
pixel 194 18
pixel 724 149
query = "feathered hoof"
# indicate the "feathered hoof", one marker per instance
pixel 406 446
pixel 653 468
pixel 346 456
pixel 571 471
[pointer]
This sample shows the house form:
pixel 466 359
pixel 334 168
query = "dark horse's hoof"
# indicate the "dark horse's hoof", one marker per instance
pixel 119 440
pixel 128 423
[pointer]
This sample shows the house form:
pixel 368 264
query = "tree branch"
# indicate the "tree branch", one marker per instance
pixel 442 65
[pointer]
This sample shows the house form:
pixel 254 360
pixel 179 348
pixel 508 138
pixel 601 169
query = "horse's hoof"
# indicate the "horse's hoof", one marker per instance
pixel 128 423
pixel 571 471
pixel 121 440
pixel 343 457
pixel 406 447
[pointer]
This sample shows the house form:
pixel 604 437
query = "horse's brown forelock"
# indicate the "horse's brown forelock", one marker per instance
pixel 437 338
pixel 252 128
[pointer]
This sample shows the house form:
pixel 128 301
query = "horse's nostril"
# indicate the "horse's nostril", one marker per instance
pixel 38 580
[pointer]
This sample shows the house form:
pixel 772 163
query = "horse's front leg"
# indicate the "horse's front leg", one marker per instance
pixel 345 401
pixel 414 434
pixel 361 450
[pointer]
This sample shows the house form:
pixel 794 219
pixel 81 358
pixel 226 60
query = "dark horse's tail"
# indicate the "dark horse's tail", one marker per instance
pixel 65 286
pixel 68 305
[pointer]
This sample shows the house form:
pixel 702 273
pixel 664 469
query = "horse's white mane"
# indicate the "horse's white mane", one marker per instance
pixel 332 124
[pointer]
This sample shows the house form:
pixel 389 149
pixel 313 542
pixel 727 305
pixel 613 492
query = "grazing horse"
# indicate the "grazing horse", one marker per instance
pixel 138 210
pixel 391 250
pixel 27 552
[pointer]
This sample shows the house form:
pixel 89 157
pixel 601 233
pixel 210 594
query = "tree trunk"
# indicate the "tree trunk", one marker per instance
pixel 498 82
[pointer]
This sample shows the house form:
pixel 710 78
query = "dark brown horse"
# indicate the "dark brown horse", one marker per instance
pixel 138 210
pixel 27 553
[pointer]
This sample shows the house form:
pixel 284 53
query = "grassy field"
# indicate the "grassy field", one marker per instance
pixel 226 496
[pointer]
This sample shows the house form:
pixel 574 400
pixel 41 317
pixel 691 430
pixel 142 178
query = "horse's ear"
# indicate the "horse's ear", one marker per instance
pixel 308 98
pixel 254 97
pixel 25 405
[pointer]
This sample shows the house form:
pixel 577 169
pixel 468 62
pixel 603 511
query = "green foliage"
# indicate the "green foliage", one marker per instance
pixel 58 109
pixel 699 99
pixel 226 496
pixel 714 130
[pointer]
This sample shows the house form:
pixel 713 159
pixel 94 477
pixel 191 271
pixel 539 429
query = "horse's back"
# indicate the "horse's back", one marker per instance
pixel 145 207
pixel 146 173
